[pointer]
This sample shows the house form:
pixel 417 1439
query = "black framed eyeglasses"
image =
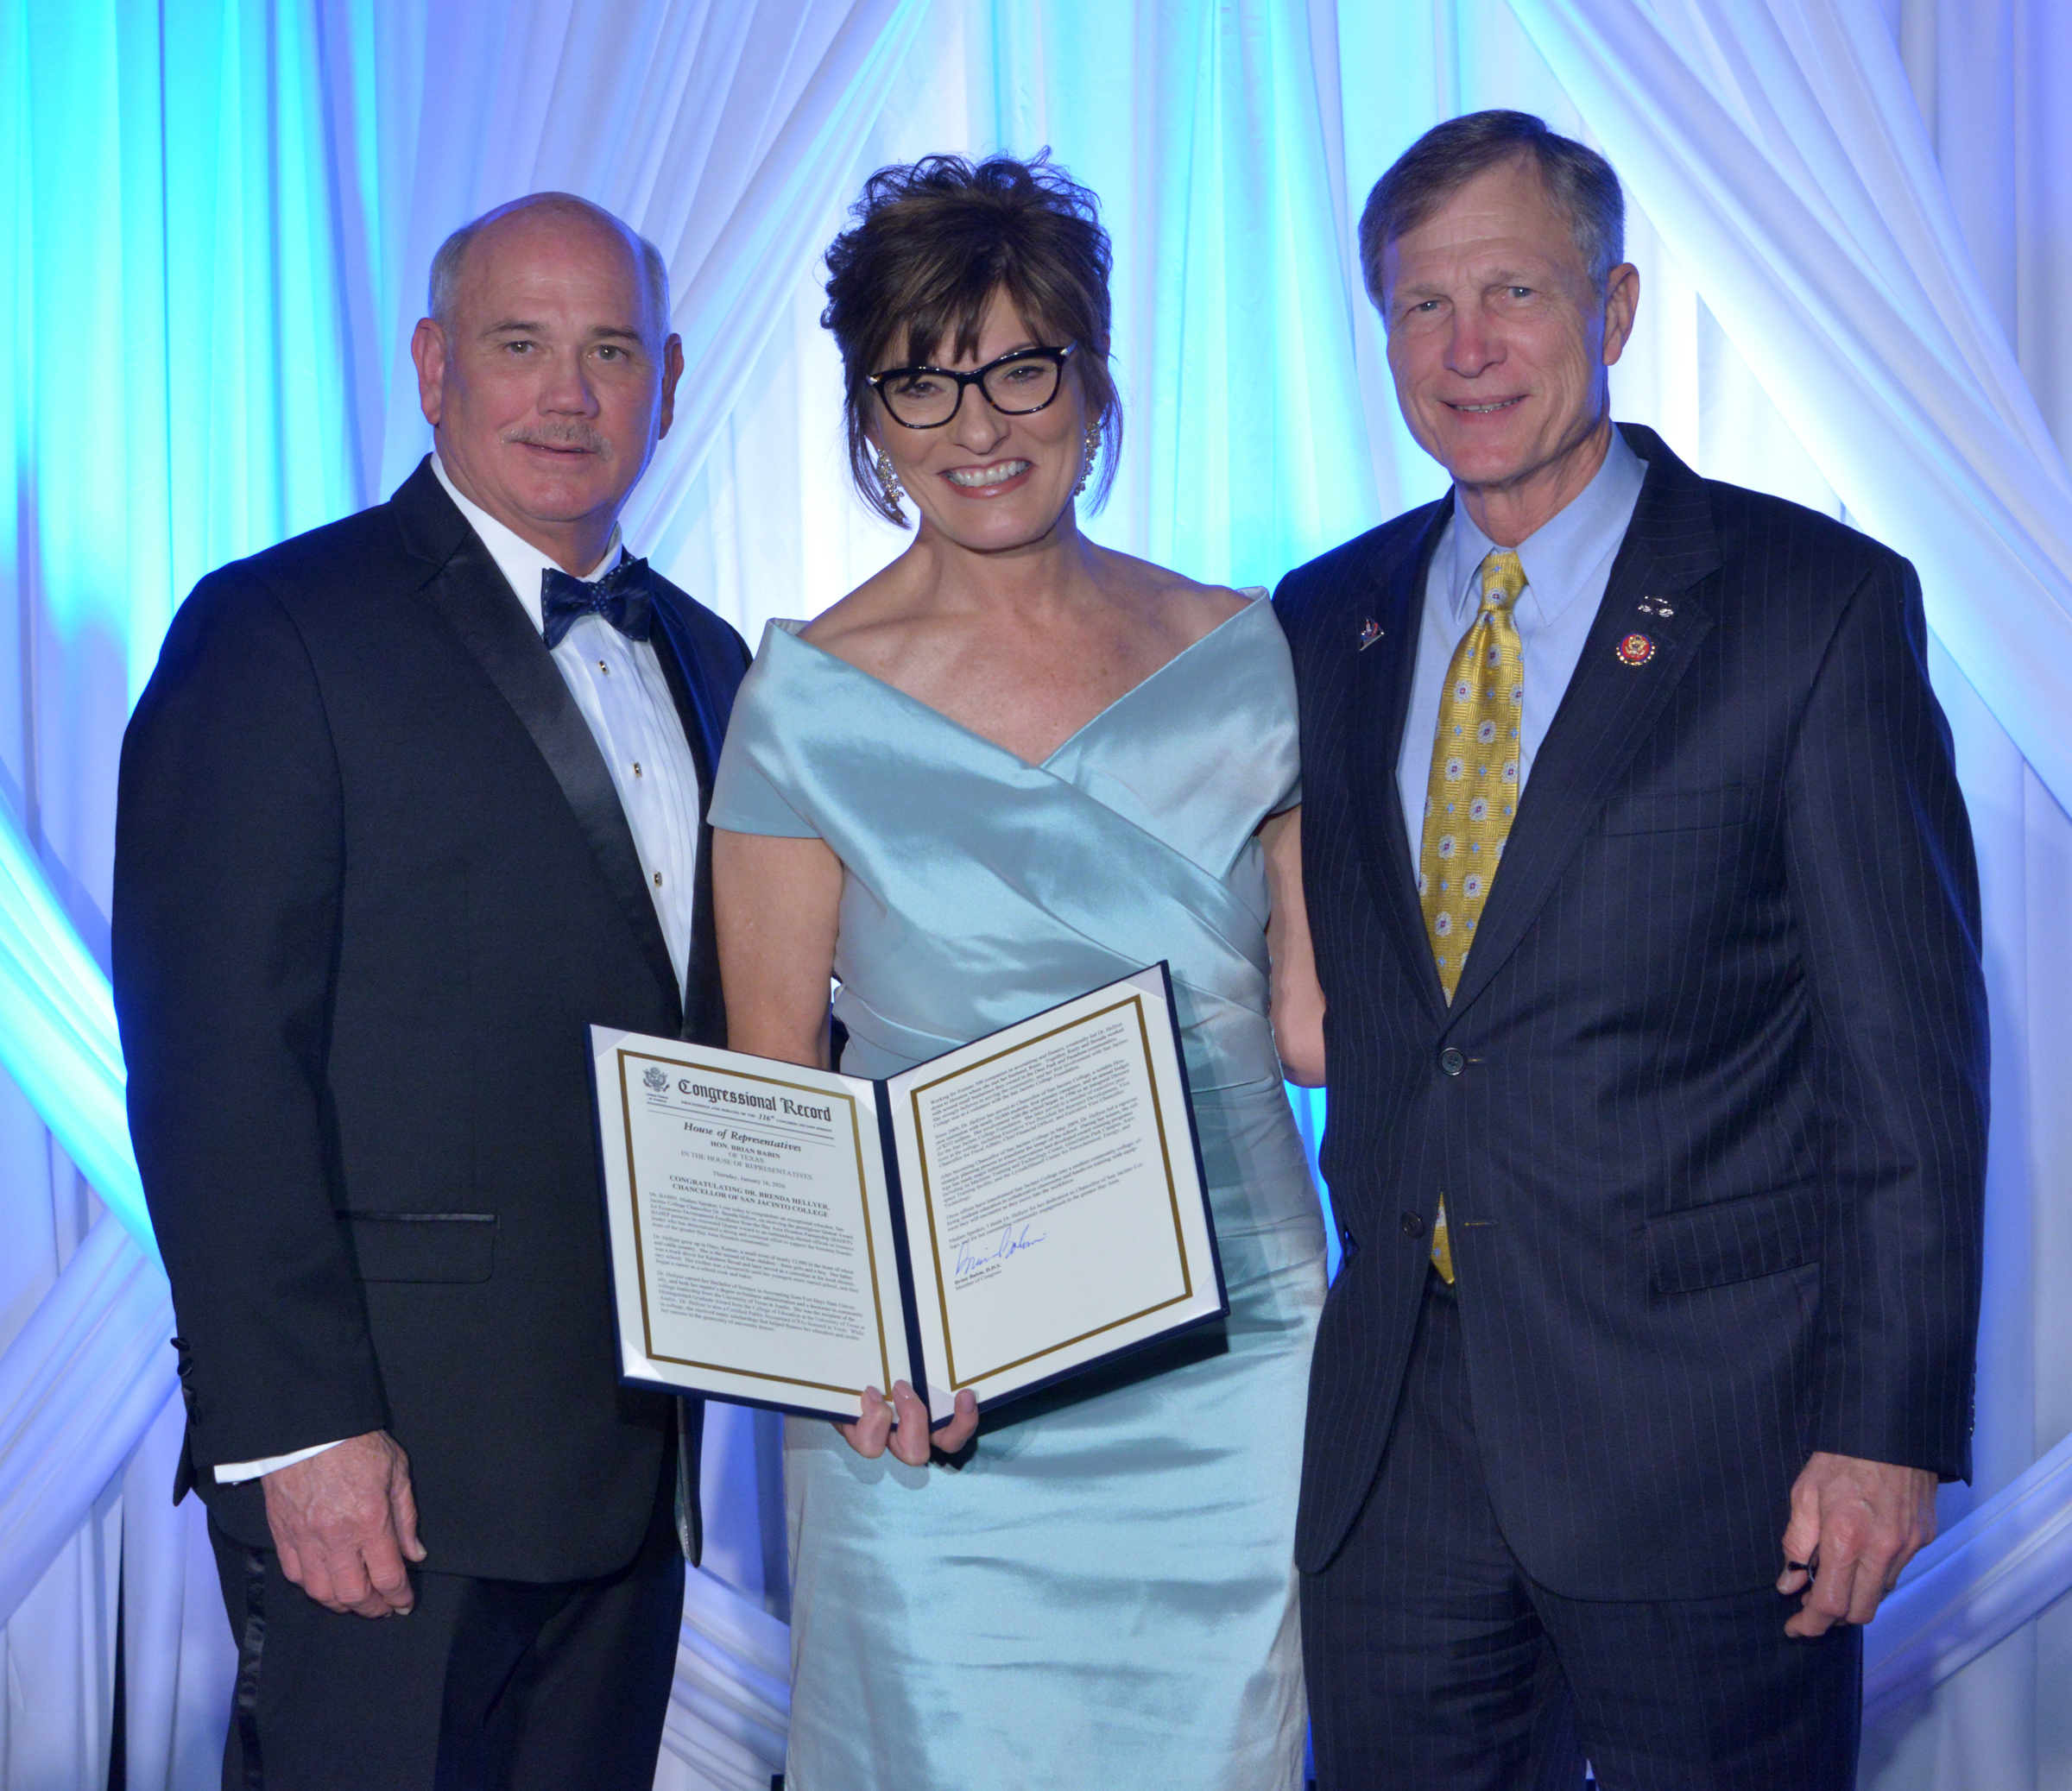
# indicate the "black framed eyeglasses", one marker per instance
pixel 1014 385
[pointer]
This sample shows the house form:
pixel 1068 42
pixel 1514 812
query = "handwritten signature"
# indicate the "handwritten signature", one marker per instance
pixel 1011 1243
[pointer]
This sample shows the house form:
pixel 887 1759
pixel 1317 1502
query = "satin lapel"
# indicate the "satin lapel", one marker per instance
pixel 686 673
pixel 1382 675
pixel 470 593
pixel 705 1011
pixel 1610 703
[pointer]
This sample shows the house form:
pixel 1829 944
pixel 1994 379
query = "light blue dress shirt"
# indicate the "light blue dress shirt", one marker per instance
pixel 1568 563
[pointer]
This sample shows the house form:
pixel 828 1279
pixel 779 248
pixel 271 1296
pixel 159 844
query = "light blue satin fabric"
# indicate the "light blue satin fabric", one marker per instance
pixel 1103 1594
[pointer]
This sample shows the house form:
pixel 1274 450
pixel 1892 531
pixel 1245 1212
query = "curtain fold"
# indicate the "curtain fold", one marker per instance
pixel 732 280
pixel 731 1705
pixel 722 132
pixel 58 1037
pixel 78 1387
pixel 2004 1564
pixel 1776 145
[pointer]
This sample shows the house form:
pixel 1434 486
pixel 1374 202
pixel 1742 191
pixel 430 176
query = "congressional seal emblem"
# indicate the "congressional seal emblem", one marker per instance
pixel 1636 650
pixel 657 1078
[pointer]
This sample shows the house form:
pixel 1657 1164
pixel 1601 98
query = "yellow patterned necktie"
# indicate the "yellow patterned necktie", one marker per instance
pixel 1473 791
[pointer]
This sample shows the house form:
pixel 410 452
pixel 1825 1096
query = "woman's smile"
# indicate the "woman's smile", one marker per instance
pixel 992 479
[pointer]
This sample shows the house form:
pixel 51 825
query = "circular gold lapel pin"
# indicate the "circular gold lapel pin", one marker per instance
pixel 1636 650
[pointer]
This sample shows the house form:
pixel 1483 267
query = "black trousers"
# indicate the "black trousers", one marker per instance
pixel 1436 1664
pixel 487 1683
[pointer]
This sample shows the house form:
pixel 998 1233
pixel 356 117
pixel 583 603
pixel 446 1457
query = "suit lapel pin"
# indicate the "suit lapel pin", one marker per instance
pixel 1636 650
pixel 1370 631
pixel 1655 605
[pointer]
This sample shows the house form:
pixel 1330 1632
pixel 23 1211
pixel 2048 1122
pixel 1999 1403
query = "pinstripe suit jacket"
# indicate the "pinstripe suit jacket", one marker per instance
pixel 1708 1107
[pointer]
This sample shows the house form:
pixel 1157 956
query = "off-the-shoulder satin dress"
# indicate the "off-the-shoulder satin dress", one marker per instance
pixel 1103 1593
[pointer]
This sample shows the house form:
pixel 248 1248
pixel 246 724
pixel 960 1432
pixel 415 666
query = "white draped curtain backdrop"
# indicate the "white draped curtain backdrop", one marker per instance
pixel 1854 220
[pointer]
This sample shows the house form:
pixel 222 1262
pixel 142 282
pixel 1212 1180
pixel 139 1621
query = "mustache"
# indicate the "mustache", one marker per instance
pixel 567 435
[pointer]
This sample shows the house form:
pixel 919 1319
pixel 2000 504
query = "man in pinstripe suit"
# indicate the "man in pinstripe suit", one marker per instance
pixel 1646 911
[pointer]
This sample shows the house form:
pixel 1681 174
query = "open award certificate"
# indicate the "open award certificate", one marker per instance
pixel 998 1217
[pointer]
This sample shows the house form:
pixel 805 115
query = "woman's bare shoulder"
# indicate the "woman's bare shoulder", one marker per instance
pixel 1183 606
pixel 864 627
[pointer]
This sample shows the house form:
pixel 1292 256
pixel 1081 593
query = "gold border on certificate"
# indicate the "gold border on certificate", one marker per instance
pixel 1172 1193
pixel 640 1258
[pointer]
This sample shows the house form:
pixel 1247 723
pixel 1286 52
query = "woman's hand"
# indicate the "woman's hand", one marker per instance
pixel 902 1422
pixel 1295 997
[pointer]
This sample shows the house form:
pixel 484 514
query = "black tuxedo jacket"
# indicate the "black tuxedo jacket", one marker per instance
pixel 1708 1107
pixel 372 882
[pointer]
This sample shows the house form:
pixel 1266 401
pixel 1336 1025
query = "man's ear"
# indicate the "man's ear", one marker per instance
pixel 1621 301
pixel 673 370
pixel 429 350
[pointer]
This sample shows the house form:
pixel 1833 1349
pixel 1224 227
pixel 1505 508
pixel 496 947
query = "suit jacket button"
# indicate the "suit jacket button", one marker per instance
pixel 1452 1061
pixel 1413 1225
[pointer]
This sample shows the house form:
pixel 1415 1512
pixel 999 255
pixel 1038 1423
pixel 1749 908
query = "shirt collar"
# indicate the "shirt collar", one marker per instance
pixel 1561 556
pixel 519 561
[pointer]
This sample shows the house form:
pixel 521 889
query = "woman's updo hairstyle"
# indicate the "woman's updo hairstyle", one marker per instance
pixel 931 244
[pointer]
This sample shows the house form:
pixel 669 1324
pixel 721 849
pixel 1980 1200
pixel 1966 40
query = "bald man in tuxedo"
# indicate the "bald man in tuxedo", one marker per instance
pixel 409 803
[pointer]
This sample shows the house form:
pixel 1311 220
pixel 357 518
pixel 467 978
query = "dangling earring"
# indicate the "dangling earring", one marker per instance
pixel 888 481
pixel 1093 453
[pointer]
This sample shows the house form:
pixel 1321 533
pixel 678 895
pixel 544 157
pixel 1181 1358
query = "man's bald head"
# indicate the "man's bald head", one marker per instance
pixel 546 368
pixel 450 264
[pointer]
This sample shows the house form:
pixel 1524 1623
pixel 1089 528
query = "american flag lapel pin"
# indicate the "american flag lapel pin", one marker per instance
pixel 1370 631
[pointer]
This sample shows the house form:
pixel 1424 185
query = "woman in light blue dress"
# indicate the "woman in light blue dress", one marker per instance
pixel 1011 767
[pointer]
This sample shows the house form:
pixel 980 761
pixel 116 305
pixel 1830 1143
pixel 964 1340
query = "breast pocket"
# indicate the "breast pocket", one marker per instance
pixel 1679 810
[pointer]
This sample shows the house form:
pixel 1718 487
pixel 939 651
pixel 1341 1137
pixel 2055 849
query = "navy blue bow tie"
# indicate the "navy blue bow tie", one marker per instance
pixel 621 596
